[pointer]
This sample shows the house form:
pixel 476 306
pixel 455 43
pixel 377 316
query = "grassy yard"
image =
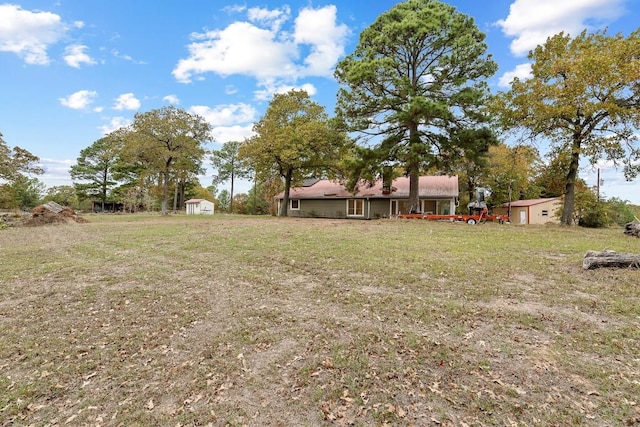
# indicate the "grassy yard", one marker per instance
pixel 228 320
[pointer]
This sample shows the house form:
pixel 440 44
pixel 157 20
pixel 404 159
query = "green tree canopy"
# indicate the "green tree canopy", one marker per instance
pixel 64 195
pixel 295 138
pixel 228 166
pixel 583 97
pixel 468 158
pixel 167 142
pixel 416 78
pixel 223 201
pixel 511 171
pixel 96 165
pixel 27 191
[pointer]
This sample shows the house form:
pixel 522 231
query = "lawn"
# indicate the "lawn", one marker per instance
pixel 138 320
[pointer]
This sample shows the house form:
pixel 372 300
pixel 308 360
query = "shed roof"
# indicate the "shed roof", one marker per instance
pixel 530 202
pixel 441 186
pixel 195 200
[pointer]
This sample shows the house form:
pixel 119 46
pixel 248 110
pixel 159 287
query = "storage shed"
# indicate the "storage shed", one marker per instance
pixel 532 211
pixel 199 207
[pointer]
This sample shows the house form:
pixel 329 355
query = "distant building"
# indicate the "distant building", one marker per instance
pixel 532 211
pixel 199 207
pixel 111 207
pixel 330 199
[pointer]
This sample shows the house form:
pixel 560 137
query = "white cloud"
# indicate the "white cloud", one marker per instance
pixel 79 100
pixel 261 48
pixel 270 88
pixel 126 57
pixel 522 72
pixel 318 28
pixel 127 101
pixel 531 22
pixel 56 172
pixel 231 122
pixel 222 134
pixel 75 56
pixel 241 48
pixel 271 18
pixel 115 123
pixel 235 8
pixel 28 34
pixel 171 99
pixel 224 115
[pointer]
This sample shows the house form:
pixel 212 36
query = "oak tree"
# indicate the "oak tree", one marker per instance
pixel 294 138
pixel 167 142
pixel 16 161
pixel 511 172
pixel 583 97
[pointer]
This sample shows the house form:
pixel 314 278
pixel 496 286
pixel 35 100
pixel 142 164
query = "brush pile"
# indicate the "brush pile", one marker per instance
pixel 632 229
pixel 51 213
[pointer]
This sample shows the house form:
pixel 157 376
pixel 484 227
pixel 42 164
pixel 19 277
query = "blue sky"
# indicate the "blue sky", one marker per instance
pixel 71 71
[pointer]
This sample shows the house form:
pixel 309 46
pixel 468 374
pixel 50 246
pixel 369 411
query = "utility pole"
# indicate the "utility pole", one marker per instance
pixel 509 208
pixel 598 183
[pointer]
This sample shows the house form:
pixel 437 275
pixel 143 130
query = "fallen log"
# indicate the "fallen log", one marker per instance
pixel 632 229
pixel 599 259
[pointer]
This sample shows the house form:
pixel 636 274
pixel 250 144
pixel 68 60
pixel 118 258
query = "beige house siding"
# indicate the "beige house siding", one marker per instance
pixel 538 211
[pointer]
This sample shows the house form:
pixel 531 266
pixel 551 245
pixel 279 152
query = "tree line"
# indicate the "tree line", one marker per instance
pixel 413 99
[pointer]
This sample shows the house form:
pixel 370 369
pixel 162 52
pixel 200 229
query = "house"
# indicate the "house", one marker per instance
pixel 532 211
pixel 199 207
pixel 330 199
pixel 100 206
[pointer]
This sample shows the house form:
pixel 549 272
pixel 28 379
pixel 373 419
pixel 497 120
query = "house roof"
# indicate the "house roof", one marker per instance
pixel 441 186
pixel 194 200
pixel 529 202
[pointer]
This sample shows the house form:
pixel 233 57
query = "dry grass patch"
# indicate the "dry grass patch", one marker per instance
pixel 227 320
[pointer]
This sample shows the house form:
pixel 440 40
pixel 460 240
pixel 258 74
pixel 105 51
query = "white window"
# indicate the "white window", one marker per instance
pixel 294 204
pixel 545 213
pixel 355 207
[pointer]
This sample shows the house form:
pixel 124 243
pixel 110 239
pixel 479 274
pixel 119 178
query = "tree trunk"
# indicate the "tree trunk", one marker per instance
pixel 284 208
pixel 231 194
pixel 181 196
pixel 595 259
pixel 165 192
pixel 414 190
pixel 175 199
pixel 413 167
pixel 471 190
pixel 570 183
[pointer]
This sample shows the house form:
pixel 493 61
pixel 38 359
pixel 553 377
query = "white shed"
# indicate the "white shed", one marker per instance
pixel 199 207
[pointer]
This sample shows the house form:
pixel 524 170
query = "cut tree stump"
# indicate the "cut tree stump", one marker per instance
pixel 595 259
pixel 632 229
